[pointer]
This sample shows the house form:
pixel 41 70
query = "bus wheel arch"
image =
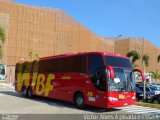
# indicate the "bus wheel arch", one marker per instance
pixel 78 99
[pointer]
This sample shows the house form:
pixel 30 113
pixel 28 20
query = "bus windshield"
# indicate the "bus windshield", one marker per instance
pixel 126 80
pixel 118 62
pixel 123 72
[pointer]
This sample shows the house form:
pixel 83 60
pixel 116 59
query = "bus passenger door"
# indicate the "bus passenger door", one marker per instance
pixel 98 79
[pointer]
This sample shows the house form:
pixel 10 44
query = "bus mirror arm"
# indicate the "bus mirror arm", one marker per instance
pixel 141 72
pixel 111 71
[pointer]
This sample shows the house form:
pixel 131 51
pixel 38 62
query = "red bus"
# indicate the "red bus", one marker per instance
pixel 94 78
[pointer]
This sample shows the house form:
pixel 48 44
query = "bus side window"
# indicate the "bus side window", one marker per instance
pixel 97 74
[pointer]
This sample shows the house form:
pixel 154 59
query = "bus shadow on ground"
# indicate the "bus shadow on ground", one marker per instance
pixel 60 104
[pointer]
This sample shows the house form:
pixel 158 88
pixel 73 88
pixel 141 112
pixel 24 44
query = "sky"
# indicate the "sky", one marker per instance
pixel 111 18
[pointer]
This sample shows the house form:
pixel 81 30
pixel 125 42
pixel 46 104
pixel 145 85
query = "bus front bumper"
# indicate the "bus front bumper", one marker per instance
pixel 112 104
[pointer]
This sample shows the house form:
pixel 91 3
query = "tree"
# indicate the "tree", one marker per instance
pixel 156 75
pixel 2 40
pixel 2 35
pixel 145 59
pixel 158 58
pixel 1 53
pixel 135 65
pixel 135 56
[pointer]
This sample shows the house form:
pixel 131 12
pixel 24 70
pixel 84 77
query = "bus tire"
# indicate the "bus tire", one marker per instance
pixel 79 100
pixel 29 92
pixel 24 92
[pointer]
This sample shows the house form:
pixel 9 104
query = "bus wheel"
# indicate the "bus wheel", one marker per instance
pixel 29 92
pixel 79 100
pixel 24 92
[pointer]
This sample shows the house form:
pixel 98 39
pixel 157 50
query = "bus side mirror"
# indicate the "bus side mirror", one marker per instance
pixel 141 72
pixel 111 72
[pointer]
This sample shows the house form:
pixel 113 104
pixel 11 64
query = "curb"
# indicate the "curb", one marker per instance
pixel 7 84
pixel 147 105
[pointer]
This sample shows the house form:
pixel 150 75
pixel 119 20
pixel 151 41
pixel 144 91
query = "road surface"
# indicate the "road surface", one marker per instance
pixel 13 103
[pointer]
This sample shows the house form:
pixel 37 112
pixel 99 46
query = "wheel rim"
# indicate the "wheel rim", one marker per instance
pixel 30 93
pixel 24 91
pixel 79 100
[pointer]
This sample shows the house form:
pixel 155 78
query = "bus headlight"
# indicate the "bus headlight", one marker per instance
pixel 133 97
pixel 112 99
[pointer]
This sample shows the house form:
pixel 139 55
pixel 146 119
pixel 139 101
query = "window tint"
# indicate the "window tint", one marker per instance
pixel 95 61
pixel 68 64
pixel 25 67
pixel 97 72
pixel 118 62
pixel 19 67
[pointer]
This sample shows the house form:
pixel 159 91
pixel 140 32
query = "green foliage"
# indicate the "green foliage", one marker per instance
pixel 33 56
pixel 145 59
pixel 2 35
pixel 135 56
pixel 135 65
pixel 2 40
pixel 156 75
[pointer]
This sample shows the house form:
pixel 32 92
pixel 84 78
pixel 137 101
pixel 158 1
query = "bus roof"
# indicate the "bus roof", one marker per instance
pixel 83 53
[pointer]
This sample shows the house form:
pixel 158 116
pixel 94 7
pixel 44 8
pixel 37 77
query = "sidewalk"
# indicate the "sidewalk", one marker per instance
pixel 9 85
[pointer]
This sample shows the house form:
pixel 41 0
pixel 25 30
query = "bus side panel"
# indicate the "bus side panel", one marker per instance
pixel 93 96
pixel 58 88
pixel 64 90
pixel 65 85
pixel 78 83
